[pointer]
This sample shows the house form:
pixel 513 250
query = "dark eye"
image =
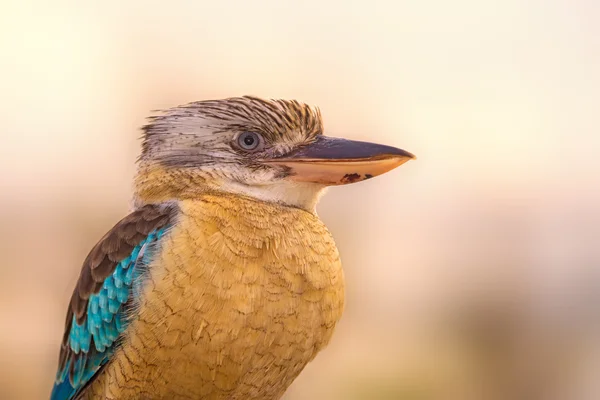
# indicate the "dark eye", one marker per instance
pixel 249 141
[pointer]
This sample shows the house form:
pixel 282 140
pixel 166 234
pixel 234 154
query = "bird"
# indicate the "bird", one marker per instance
pixel 222 282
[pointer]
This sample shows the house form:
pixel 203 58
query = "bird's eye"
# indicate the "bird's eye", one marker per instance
pixel 249 141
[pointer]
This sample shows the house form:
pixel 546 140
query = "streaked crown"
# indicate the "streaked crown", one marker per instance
pixel 178 135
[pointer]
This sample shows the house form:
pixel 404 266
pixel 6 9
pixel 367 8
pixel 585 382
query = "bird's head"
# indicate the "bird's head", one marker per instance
pixel 270 150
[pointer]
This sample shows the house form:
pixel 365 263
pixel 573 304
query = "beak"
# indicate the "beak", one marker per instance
pixel 332 161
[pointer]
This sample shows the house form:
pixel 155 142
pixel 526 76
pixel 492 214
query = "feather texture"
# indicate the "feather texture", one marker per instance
pixel 244 294
pixel 97 315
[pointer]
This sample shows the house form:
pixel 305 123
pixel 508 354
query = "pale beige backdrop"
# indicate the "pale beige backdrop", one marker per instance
pixel 473 272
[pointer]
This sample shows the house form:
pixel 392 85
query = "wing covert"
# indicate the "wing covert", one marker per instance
pixel 97 312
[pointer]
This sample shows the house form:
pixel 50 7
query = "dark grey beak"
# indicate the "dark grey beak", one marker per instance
pixel 334 161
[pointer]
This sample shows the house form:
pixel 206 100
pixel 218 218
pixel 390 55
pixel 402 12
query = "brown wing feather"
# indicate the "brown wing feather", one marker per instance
pixel 102 260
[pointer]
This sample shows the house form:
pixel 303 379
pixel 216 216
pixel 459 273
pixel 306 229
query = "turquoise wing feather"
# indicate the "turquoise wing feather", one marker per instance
pixel 110 281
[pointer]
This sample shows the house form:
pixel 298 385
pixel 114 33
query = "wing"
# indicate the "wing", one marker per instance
pixel 107 284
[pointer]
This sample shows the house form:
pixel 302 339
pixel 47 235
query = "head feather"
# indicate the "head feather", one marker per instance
pixel 278 121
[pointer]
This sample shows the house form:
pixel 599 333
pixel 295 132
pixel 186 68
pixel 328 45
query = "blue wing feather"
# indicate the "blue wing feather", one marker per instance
pixel 94 340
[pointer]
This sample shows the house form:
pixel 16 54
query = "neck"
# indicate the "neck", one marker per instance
pixel 156 184
pixel 299 195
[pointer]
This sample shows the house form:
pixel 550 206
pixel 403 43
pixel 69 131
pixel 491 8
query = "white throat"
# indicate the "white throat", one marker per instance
pixel 295 194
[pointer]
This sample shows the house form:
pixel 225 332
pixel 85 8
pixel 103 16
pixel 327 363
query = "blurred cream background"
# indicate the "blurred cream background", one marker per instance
pixel 472 273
